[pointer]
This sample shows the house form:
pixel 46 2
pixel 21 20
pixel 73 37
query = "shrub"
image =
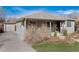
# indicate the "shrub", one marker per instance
pixel 55 34
pixel 77 30
pixel 65 33
pixel 35 34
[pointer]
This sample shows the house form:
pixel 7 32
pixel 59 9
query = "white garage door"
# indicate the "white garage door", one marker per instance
pixel 10 27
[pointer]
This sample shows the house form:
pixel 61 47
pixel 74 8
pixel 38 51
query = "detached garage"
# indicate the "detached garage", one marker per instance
pixel 9 27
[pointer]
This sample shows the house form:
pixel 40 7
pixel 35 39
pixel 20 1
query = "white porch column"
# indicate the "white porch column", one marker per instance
pixel 50 27
pixel 25 23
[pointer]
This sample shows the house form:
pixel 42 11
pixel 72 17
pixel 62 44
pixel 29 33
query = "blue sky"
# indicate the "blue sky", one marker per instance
pixel 14 11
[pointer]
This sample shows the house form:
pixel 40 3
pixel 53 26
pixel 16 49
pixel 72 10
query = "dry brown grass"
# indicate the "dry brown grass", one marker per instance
pixel 41 34
pixel 35 34
pixel 57 40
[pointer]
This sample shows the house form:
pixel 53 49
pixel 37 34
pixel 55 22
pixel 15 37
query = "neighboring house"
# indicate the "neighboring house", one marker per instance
pixel 1 25
pixel 53 22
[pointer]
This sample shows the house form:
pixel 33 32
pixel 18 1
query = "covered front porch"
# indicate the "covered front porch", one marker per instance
pixel 51 25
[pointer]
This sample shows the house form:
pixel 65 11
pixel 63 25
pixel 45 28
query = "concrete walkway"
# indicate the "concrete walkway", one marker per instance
pixel 9 42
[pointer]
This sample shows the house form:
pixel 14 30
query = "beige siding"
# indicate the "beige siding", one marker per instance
pixel 69 29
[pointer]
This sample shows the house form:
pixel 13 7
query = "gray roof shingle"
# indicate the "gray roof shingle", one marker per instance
pixel 47 16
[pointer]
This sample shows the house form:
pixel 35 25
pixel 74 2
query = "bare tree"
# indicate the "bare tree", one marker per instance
pixel 2 19
pixel 2 14
pixel 74 15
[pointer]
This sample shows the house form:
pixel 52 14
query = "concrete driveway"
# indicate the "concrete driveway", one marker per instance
pixel 10 42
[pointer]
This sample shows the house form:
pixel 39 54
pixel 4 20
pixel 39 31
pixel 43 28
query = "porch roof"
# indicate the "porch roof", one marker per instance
pixel 47 16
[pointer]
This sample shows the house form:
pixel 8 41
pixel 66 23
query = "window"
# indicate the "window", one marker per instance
pixel 68 23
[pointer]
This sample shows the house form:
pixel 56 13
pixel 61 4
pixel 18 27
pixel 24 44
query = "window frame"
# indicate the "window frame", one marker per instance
pixel 68 23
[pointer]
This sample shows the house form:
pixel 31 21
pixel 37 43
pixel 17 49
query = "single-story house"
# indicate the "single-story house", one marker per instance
pixel 53 22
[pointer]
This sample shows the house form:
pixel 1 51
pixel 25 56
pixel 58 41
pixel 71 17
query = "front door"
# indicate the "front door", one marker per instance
pixel 55 26
pixel 58 25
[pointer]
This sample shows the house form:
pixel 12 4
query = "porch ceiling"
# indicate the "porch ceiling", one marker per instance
pixel 36 19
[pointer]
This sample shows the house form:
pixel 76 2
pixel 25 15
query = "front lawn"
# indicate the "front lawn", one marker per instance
pixel 56 47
